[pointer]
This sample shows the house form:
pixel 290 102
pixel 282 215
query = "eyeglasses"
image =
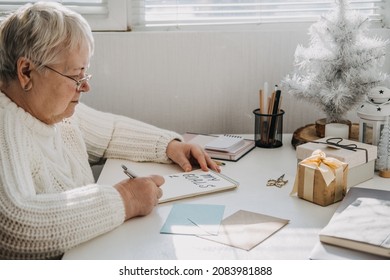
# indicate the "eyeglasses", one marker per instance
pixel 79 83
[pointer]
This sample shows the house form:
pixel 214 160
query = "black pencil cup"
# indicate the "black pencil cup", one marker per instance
pixel 268 129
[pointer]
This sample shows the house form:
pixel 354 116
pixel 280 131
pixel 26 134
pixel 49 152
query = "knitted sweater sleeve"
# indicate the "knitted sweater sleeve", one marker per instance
pixel 45 226
pixel 113 136
pixel 41 225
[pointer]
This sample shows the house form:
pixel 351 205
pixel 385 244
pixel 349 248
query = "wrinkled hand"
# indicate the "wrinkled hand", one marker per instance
pixel 140 195
pixel 186 155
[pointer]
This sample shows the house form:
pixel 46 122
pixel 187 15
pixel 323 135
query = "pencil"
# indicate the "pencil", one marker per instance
pixel 275 110
pixel 269 113
pixel 261 97
pixel 261 108
pixel 219 163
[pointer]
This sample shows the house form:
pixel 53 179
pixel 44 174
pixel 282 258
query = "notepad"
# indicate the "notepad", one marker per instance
pixel 226 143
pixel 194 183
pixel 177 185
pixel 204 139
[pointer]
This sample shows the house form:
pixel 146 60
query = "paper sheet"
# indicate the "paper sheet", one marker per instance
pixel 245 229
pixel 194 219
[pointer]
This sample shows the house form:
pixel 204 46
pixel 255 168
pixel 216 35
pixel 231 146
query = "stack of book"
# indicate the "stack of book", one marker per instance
pixel 223 147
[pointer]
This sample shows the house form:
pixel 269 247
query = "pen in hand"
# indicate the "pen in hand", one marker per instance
pixel 127 172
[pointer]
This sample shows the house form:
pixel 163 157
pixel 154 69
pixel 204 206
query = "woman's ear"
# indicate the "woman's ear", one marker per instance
pixel 24 72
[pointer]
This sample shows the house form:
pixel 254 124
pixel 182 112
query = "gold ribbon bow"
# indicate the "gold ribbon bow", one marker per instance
pixel 330 168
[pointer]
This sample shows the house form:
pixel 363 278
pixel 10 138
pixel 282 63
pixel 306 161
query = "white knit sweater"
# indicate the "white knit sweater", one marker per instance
pixel 48 199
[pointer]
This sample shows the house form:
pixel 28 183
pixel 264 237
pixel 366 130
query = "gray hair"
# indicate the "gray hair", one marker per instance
pixel 40 32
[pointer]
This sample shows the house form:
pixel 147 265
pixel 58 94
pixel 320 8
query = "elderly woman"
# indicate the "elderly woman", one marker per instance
pixel 48 139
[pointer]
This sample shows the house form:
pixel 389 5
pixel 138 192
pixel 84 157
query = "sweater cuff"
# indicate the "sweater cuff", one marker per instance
pixel 162 145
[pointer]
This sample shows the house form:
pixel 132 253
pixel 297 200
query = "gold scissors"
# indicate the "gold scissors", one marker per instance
pixel 277 182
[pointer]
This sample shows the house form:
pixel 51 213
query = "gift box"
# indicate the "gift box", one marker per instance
pixel 359 156
pixel 320 179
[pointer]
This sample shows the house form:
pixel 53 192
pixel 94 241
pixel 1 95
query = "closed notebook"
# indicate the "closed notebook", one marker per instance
pixel 363 226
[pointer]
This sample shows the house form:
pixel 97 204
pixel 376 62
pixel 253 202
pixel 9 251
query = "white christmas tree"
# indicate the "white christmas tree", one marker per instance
pixel 341 64
pixel 383 160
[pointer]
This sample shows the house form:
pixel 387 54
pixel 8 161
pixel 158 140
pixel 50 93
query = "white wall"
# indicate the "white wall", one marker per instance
pixel 204 82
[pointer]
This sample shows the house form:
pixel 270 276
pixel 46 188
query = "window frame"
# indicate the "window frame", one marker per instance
pixel 133 24
pixel 110 16
pixel 119 17
pixel 115 20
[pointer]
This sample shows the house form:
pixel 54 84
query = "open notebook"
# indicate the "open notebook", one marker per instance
pixel 178 184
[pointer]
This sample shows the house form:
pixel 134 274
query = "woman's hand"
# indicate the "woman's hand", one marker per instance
pixel 186 155
pixel 140 195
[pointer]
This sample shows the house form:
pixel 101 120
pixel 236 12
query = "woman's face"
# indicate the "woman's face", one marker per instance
pixel 54 96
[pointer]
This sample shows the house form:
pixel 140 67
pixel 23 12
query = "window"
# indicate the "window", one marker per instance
pixel 147 14
pixel 120 15
pixel 101 14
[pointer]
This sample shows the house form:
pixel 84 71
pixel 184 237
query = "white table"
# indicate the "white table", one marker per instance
pixel 140 239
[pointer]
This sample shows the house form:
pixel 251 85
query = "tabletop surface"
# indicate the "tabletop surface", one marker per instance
pixel 140 238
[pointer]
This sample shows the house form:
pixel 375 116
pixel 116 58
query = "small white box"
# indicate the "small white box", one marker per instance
pixel 361 161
